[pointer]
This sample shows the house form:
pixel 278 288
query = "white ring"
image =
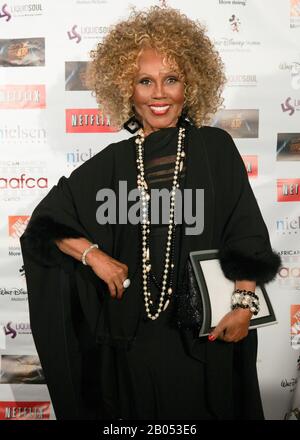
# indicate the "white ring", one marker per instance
pixel 126 283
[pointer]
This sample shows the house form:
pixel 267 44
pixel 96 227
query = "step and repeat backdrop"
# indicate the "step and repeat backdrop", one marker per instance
pixel 50 124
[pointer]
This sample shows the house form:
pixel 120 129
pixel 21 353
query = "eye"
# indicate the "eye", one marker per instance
pixel 145 81
pixel 172 79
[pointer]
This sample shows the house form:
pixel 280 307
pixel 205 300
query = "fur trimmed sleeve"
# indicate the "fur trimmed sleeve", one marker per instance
pixel 52 219
pixel 259 265
pixel 245 252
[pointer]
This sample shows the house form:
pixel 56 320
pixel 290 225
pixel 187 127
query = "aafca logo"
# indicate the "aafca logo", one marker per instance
pixel 295 326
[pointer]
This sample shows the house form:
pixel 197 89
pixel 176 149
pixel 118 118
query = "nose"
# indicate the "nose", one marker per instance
pixel 159 90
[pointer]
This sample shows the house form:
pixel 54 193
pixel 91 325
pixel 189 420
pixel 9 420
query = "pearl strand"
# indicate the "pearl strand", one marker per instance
pixel 145 198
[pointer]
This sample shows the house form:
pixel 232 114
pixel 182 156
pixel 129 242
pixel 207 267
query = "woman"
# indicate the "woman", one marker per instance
pixel 102 295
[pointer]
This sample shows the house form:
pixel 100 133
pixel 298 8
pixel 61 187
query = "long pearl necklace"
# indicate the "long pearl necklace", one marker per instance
pixel 166 292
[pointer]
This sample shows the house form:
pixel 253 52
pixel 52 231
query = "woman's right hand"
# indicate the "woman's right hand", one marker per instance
pixel 112 271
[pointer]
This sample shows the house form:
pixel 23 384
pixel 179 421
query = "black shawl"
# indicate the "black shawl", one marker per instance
pixel 72 313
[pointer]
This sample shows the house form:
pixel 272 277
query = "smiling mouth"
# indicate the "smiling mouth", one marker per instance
pixel 159 109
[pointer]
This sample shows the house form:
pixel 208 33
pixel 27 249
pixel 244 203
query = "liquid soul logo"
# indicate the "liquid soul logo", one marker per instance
pixel 290 105
pixel 74 34
pixel 242 80
pixel 5 14
pixel 20 10
pixel 12 330
pixel 9 331
pixel 77 33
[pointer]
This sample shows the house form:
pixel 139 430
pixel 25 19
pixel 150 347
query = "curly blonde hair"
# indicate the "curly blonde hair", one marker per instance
pixel 180 40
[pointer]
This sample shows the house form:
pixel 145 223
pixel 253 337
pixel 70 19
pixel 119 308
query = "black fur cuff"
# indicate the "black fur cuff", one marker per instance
pixel 261 267
pixel 40 234
pixel 44 228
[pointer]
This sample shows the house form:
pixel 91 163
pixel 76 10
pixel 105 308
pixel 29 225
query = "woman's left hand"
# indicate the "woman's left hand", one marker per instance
pixel 233 326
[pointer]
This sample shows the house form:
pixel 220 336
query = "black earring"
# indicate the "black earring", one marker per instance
pixel 132 125
pixel 184 120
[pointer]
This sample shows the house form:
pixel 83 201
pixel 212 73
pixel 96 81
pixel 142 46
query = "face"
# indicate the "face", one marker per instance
pixel 158 95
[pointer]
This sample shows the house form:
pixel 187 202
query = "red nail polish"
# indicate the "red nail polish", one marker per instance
pixel 211 337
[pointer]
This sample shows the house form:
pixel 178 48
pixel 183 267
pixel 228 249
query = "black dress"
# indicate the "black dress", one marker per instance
pixel 167 382
pixel 101 359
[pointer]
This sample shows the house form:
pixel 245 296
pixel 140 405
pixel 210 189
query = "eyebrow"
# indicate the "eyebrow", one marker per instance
pixel 171 72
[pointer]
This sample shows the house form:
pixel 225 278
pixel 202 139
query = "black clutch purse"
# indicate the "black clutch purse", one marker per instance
pixel 188 301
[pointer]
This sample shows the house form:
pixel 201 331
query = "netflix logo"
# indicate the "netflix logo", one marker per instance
pixel 24 410
pixel 288 190
pixel 88 121
pixel 22 96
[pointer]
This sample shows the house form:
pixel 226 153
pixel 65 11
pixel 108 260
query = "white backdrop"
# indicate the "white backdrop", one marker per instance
pixel 44 47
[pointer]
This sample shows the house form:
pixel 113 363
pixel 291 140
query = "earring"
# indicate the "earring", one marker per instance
pixel 132 125
pixel 184 120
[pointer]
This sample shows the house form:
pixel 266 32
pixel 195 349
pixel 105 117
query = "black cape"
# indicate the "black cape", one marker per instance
pixel 82 334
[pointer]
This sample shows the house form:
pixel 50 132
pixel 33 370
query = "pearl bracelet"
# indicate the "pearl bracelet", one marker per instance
pixel 86 251
pixel 245 299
